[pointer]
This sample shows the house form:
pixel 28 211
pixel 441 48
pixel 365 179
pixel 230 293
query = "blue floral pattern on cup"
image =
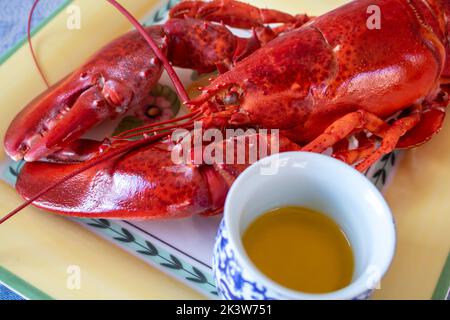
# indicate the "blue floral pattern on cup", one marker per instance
pixel 235 283
pixel 231 280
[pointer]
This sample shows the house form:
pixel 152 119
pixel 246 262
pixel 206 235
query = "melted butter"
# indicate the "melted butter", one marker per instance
pixel 300 249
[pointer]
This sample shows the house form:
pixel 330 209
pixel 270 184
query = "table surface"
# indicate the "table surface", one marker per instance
pixel 40 248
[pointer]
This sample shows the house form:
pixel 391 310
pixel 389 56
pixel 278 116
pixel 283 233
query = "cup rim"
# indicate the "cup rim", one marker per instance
pixel 357 286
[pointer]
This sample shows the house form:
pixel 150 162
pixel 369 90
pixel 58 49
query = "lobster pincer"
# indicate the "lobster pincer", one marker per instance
pixel 115 79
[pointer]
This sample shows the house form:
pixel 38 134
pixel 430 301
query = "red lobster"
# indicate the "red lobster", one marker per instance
pixel 318 80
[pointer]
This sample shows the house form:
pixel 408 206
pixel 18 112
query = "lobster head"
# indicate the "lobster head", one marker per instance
pixel 271 88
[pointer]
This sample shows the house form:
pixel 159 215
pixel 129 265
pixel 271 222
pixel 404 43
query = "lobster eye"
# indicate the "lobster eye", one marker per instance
pixel 152 111
pixel 231 98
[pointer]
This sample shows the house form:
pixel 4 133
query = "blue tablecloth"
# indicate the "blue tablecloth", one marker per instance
pixel 7 294
pixel 14 18
pixel 13 27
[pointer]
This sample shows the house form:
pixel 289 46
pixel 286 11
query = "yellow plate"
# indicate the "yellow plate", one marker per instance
pixel 40 248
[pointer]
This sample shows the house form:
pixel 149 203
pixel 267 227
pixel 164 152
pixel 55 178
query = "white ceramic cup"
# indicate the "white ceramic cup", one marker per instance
pixel 317 182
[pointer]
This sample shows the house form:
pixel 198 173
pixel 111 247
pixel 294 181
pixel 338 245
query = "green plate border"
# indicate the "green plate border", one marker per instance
pixel 442 290
pixel 36 29
pixel 21 287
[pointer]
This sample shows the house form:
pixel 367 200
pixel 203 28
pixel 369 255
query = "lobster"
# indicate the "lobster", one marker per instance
pixel 319 80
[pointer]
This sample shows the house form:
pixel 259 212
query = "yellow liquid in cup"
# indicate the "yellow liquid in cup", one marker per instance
pixel 300 249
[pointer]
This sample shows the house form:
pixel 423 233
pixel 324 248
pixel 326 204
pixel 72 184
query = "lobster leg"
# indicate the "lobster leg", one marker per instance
pixel 230 12
pixel 343 127
pixel 300 20
pixel 350 156
pixel 353 156
pixel 202 45
pixel 390 140
pixel 234 14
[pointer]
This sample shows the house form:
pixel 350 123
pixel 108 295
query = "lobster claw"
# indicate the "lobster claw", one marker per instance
pixel 142 184
pixel 40 115
pixel 117 78
pixel 52 121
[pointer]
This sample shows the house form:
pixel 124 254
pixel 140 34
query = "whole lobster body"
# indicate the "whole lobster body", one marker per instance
pixel 318 80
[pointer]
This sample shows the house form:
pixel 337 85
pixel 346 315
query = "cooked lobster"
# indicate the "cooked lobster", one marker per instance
pixel 318 80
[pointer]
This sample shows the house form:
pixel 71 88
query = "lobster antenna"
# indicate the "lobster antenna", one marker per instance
pixel 30 44
pixel 190 116
pixel 175 126
pixel 172 74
